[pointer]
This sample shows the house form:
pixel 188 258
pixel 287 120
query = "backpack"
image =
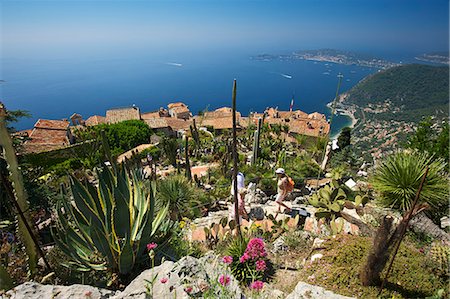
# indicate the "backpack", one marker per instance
pixel 290 184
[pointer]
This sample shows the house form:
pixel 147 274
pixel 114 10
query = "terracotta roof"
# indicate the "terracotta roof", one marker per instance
pixel 95 120
pixel 311 127
pixel 148 115
pixel 177 104
pixel 317 115
pixel 29 148
pixel 157 123
pixel 47 135
pixel 272 112
pixel 300 114
pixel 219 123
pixel 180 109
pixel 224 109
pixel 221 112
pixel 52 124
pixel 178 124
pixel 122 114
pixel 23 133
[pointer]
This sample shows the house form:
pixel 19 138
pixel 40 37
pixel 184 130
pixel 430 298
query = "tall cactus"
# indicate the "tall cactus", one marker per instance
pixel 186 155
pixel 256 142
pixel 195 135
pixel 19 194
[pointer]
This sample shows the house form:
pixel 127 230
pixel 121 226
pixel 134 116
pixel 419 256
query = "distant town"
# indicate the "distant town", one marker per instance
pixel 333 56
pixel 175 120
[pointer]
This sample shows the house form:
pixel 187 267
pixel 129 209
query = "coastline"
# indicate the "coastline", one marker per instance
pixel 342 110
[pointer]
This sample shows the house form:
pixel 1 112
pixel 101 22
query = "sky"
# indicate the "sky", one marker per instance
pixel 61 29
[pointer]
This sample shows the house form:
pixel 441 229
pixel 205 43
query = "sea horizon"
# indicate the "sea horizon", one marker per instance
pixel 56 88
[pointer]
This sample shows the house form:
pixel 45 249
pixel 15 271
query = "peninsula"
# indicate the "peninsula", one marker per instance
pixel 333 56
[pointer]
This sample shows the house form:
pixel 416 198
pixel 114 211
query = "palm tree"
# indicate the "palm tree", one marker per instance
pixel 180 194
pixel 398 177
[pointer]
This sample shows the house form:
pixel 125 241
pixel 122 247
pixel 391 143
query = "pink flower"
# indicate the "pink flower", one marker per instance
pixel 151 246
pixel 244 258
pixel 164 280
pixel 224 280
pixel 260 265
pixel 255 249
pixel 227 259
pixel 88 294
pixel 188 290
pixel 257 285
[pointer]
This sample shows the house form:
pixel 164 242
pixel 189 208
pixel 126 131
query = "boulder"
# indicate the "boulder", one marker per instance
pixel 256 213
pixel 307 291
pixel 34 290
pixel 279 245
pixel 255 195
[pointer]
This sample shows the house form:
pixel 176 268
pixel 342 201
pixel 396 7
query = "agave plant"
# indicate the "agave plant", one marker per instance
pixel 180 195
pixel 398 177
pixel 108 227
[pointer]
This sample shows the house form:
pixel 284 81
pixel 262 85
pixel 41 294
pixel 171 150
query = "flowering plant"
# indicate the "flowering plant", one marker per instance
pixel 248 263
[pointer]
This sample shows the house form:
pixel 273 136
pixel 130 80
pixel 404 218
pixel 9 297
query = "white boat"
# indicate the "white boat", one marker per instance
pixel 174 64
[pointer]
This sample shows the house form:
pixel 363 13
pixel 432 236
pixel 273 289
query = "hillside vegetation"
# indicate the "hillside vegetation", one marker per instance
pixel 414 91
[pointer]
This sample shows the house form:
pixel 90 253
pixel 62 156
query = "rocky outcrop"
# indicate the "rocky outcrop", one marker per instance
pixel 176 280
pixel 187 277
pixel 304 290
pixel 34 290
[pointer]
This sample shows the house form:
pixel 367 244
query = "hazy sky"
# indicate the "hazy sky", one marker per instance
pixel 65 28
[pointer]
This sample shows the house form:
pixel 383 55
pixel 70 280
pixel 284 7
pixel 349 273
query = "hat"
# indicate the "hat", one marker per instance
pixel 280 171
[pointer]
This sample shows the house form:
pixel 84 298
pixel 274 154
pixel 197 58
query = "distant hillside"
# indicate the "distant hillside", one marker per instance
pixel 404 93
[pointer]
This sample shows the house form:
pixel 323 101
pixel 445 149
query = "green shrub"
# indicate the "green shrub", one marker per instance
pixel 411 275
pixel 66 167
pixel 153 151
pixel 121 136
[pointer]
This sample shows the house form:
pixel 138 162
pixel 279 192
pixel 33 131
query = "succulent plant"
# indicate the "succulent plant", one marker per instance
pixel 332 199
pixel 107 227
pixel 440 254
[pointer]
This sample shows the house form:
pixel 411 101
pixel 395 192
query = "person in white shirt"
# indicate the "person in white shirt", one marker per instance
pixel 241 197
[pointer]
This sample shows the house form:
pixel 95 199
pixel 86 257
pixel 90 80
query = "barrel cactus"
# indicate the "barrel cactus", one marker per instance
pixel 107 227
pixel 440 255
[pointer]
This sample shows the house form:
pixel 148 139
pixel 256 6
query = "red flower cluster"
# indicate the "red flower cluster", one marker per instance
pixel 227 259
pixel 257 285
pixel 224 280
pixel 255 249
pixel 260 265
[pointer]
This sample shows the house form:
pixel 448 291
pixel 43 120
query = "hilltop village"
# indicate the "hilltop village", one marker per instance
pixel 139 204
pixel 175 120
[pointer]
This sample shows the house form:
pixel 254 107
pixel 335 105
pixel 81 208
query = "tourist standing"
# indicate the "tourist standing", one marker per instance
pixel 240 197
pixel 283 188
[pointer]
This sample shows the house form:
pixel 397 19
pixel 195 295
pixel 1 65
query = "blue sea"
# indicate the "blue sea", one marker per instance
pixel 56 88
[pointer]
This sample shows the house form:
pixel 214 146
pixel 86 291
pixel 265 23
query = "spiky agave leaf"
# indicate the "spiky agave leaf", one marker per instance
pixel 398 177
pixel 108 226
